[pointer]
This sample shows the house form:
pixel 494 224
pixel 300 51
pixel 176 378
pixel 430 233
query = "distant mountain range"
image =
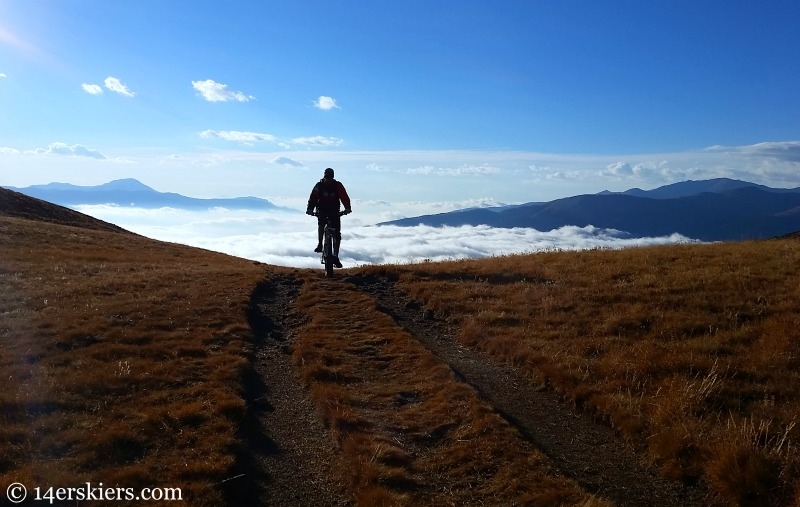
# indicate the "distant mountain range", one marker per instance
pixel 130 192
pixel 709 210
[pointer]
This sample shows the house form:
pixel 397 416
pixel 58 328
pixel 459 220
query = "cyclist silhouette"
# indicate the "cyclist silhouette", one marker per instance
pixel 327 196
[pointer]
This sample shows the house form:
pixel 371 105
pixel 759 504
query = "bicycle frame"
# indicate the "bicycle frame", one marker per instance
pixel 329 243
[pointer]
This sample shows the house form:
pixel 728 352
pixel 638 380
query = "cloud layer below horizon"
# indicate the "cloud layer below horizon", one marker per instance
pixel 288 239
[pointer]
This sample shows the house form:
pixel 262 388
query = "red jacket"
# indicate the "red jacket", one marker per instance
pixel 326 197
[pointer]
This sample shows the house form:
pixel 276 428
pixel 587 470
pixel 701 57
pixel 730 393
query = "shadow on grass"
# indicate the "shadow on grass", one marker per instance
pixel 250 481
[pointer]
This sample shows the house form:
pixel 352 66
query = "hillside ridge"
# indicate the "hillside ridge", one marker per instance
pixel 18 205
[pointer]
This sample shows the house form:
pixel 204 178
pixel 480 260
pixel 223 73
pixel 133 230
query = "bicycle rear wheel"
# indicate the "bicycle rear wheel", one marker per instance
pixel 328 253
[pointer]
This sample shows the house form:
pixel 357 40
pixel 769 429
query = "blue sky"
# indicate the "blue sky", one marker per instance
pixel 426 105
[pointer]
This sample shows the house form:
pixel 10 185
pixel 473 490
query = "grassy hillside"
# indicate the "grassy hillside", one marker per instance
pixel 691 352
pixel 126 361
pixel 15 204
pixel 121 359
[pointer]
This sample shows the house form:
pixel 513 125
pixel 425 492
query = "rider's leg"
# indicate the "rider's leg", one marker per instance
pixel 337 240
pixel 320 230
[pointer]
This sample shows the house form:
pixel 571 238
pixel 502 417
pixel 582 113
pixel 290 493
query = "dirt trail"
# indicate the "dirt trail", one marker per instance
pixel 285 439
pixel 578 446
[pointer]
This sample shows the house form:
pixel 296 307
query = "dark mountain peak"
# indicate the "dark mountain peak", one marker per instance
pixel 722 209
pixel 695 187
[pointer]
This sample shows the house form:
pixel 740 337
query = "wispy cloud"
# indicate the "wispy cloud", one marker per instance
pixel 111 83
pixel 116 86
pixel 3 74
pixel 325 103
pixel 218 92
pixel 287 161
pixel 238 136
pixel 377 168
pixel 250 138
pixel 466 170
pixel 642 170
pixel 76 150
pixel 92 89
pixel 9 151
pixel 317 141
pixel 788 151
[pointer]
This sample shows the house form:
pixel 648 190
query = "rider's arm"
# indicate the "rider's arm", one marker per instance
pixel 343 196
pixel 312 200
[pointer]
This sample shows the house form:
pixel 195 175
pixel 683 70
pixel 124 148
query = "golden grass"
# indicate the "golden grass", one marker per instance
pixel 404 424
pixel 121 360
pixel 691 351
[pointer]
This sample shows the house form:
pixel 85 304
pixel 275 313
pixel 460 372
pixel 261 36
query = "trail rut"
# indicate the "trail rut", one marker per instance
pixel 288 457
pixel 298 460
pixel 578 446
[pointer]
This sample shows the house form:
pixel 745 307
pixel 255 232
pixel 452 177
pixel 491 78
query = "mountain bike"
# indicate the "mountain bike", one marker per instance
pixel 330 242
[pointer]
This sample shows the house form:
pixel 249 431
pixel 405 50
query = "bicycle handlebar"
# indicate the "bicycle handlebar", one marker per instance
pixel 341 213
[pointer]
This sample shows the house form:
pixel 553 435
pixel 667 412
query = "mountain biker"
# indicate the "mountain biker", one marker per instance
pixel 327 196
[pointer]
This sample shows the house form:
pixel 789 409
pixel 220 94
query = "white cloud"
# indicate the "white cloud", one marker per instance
pixel 3 74
pixel 115 85
pixel 218 92
pixel 788 151
pixel 619 169
pixel 287 161
pixel 76 150
pixel 644 171
pixel 237 136
pixel 377 168
pixel 288 239
pixel 326 103
pixel 465 170
pixel 92 89
pixel 391 244
pixel 255 137
pixel 566 176
pixel 317 141
pixel 9 151
pixel 374 211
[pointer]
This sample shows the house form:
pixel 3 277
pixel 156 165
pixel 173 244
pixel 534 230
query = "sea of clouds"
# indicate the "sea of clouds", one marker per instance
pixel 287 238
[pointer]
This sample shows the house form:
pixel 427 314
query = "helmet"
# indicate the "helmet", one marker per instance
pixel 329 173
